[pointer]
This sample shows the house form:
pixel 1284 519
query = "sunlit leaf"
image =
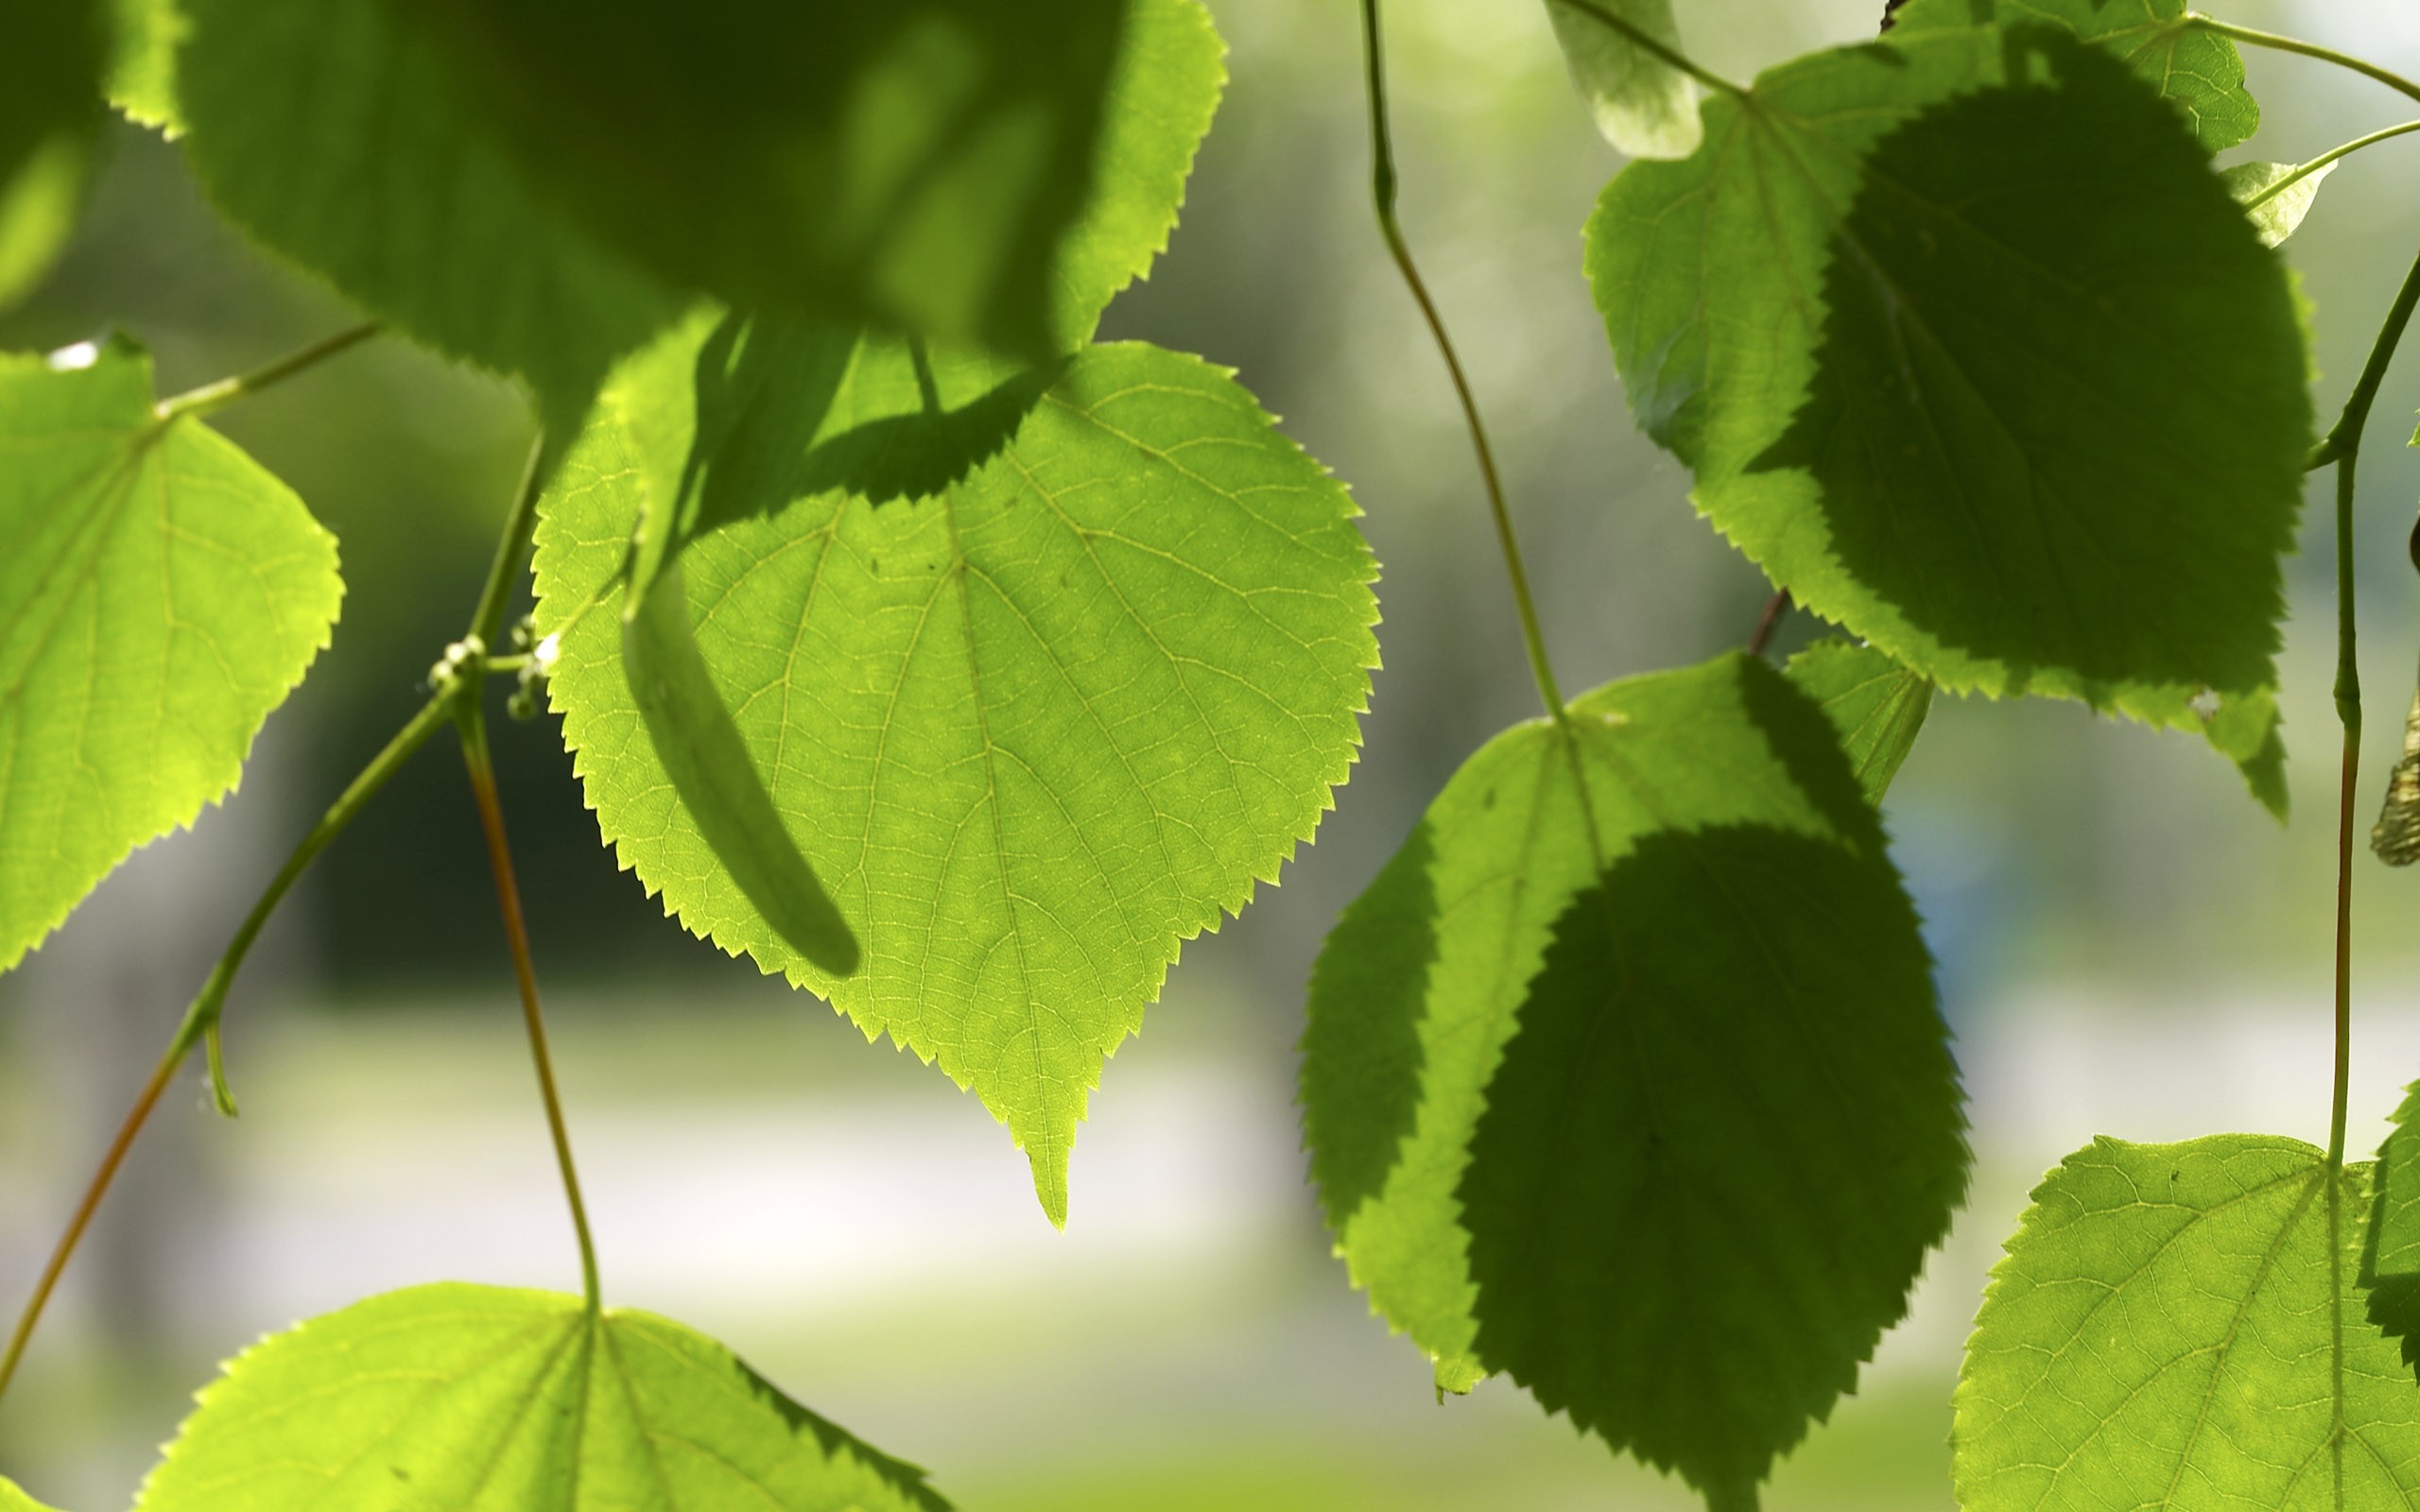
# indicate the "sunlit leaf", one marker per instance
pixel 2182 1326
pixel 143 72
pixel 458 1396
pixel 13 1499
pixel 1042 673
pixel 1877 706
pixel 2276 210
pixel 1626 1078
pixel 160 594
pixel 1643 106
pixel 1916 324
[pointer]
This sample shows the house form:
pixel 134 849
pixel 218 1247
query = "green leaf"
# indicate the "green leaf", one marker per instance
pixel 2275 211
pixel 330 130
pixel 54 52
pixel 458 1397
pixel 2390 1263
pixel 1638 1090
pixel 160 594
pixel 1914 323
pixel 14 1500
pixel 919 164
pixel 1643 105
pixel 1041 682
pixel 1877 706
pixel 2198 71
pixel 2181 1326
pixel 143 72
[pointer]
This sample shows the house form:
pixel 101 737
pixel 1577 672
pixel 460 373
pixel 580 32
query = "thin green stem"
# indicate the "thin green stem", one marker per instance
pixel 2251 38
pixel 512 547
pixel 2305 170
pixel 2343 439
pixel 1382 186
pixel 1630 31
pixel 516 934
pixel 226 391
pixel 200 1021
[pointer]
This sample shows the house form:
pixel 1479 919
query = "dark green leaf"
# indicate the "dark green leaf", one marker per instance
pixel 1877 706
pixel 1915 322
pixel 2182 1326
pixel 2198 71
pixel 1637 1090
pixel 2390 1263
pixel 52 52
pixel 160 594
pixel 459 1397
pixel 1040 682
pixel 1643 106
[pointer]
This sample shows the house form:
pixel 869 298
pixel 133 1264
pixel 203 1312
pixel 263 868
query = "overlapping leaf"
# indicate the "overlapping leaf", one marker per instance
pixel 54 53
pixel 1877 706
pixel 2197 71
pixel 1643 105
pixel 1914 321
pixel 2182 1326
pixel 458 1396
pixel 2390 1262
pixel 1626 1078
pixel 160 594
pixel 1039 673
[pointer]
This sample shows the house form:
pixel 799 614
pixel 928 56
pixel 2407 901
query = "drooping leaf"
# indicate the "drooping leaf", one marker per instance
pixel 2198 71
pixel 53 53
pixel 1915 323
pixel 2274 209
pixel 1637 1090
pixel 331 130
pixel 1040 682
pixel 143 72
pixel 920 164
pixel 1643 105
pixel 160 594
pixel 1877 706
pixel 454 1396
pixel 2182 1326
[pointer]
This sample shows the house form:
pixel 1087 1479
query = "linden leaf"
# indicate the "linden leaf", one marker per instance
pixel 160 594
pixel 1911 316
pixel 1626 1075
pixel 456 1396
pixel 55 51
pixel 1040 673
pixel 2276 194
pixel 1643 105
pixel 1877 706
pixel 2182 1326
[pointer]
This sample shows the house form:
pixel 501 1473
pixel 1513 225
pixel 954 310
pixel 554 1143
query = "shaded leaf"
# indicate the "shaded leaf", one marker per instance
pixel 2201 73
pixel 160 594
pixel 1877 706
pixel 1636 1090
pixel 458 1396
pixel 1643 106
pixel 1032 730
pixel 2275 211
pixel 1915 324
pixel 330 130
pixel 2390 1260
pixel 143 71
pixel 2182 1325
pixel 54 52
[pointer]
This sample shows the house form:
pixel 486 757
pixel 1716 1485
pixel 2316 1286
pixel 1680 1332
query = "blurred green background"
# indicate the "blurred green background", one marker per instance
pixel 2127 944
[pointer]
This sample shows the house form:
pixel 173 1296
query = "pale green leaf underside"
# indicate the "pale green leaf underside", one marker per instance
pixel 2275 211
pixel 456 1398
pixel 1031 727
pixel 1543 1091
pixel 1919 334
pixel 2165 1331
pixel 160 594
pixel 2198 73
pixel 1643 105
pixel 1877 706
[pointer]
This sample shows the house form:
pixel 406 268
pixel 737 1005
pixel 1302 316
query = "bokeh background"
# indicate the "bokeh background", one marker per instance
pixel 2126 943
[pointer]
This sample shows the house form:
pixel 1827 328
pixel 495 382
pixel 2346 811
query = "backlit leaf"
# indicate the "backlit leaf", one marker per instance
pixel 160 594
pixel 143 72
pixel 1637 1090
pixel 1877 706
pixel 13 1499
pixel 2182 1326
pixel 1040 673
pixel 2391 1264
pixel 1916 325
pixel 460 1397
pixel 1643 106
pixel 2276 210
pixel 2198 71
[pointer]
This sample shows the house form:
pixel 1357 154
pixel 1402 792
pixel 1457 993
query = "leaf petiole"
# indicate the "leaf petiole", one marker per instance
pixel 2346 150
pixel 218 395
pixel 2195 21
pixel 1665 53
